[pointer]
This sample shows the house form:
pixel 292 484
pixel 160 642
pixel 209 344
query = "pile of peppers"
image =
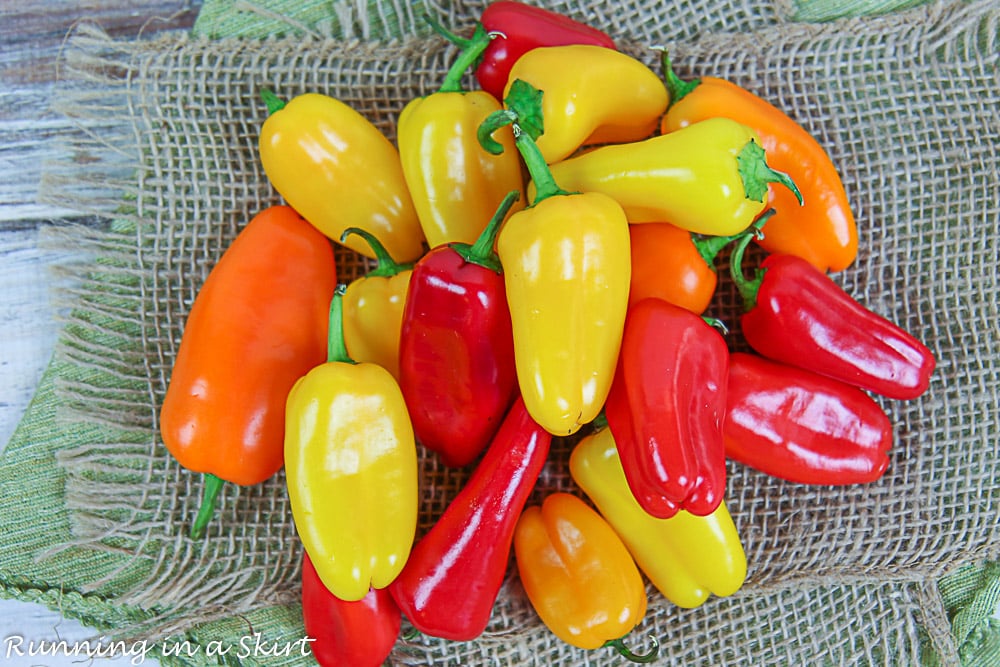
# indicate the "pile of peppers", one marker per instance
pixel 543 254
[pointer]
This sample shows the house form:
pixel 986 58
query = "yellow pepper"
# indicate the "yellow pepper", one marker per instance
pixel 456 186
pixel 709 178
pixel 686 557
pixel 373 308
pixel 334 167
pixel 593 95
pixel 567 269
pixel 351 470
pixel 576 572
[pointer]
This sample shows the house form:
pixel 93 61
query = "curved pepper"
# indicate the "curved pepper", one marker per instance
pixel 577 573
pixel 592 95
pixel 257 323
pixel 672 264
pixel 332 165
pixel 567 269
pixel 451 582
pixel 709 178
pixel 351 470
pixel 802 427
pixel 686 557
pixel 798 315
pixel 373 308
pixel 455 184
pixel 522 28
pixel 456 352
pixel 823 230
pixel 360 633
pixel 666 407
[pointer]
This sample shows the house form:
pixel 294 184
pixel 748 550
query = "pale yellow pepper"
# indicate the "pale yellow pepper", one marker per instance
pixel 351 470
pixel 686 557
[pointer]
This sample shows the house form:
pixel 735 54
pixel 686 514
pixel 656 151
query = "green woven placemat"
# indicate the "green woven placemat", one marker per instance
pixel 85 484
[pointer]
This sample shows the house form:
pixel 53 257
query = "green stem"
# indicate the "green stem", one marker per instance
pixel 457 40
pixel 273 102
pixel 626 652
pixel 709 247
pixel 210 493
pixel 336 347
pixel 538 168
pixel 386 266
pixel 748 287
pixel 472 50
pixel 676 86
pixel 481 252
pixel 716 323
pixel 756 173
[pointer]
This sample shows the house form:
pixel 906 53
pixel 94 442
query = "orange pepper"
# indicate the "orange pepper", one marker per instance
pixel 578 575
pixel 258 323
pixel 822 230
pixel 670 263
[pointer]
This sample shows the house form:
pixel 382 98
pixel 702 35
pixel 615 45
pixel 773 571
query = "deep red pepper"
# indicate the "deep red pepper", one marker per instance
pixel 456 353
pixel 666 406
pixel 360 634
pixel 802 427
pixel 454 573
pixel 798 315
pixel 519 29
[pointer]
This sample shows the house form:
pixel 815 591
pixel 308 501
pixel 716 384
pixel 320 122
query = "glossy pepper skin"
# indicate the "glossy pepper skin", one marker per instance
pixel 687 558
pixel 567 269
pixel 798 315
pixel 360 633
pixel 673 264
pixel 577 573
pixel 666 407
pixel 455 184
pixel 451 582
pixel 709 178
pixel 521 28
pixel 257 323
pixel 373 308
pixel 456 353
pixel 351 470
pixel 823 230
pixel 592 95
pixel 802 427
pixel 333 166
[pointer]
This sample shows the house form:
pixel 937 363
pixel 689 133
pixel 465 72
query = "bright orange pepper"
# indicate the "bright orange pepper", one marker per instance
pixel 577 573
pixel 258 323
pixel 822 230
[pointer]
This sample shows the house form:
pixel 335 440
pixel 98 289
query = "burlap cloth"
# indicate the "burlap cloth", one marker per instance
pixel 94 512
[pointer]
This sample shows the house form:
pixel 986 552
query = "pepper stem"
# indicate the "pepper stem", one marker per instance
pixel 336 347
pixel 481 252
pixel 472 50
pixel 626 652
pixel 524 114
pixel 756 173
pixel 386 266
pixel 748 287
pixel 709 247
pixel 273 102
pixel 210 493
pixel 677 87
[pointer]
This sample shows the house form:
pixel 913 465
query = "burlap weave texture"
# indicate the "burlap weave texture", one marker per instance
pixel 907 105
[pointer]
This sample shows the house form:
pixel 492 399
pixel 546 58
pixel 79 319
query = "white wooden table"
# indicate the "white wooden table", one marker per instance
pixel 31 32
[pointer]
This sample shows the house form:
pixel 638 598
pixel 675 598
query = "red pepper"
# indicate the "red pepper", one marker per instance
pixel 359 634
pixel 802 427
pixel 454 573
pixel 666 406
pixel 520 28
pixel 798 315
pixel 456 354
